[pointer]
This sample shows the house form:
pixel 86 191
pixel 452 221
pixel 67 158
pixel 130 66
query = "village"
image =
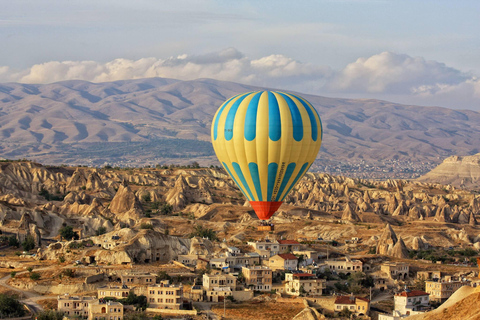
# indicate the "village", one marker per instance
pixel 210 286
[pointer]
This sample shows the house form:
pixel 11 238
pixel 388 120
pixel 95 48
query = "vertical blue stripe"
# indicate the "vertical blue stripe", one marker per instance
pixel 286 178
pixel 313 121
pixel 231 118
pixel 297 122
pixel 272 175
pixel 299 175
pixel 274 124
pixel 256 179
pixel 239 172
pixel 233 177
pixel 251 118
pixel 215 126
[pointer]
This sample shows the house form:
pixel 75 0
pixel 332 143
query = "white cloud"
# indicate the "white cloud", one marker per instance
pixel 390 76
pixel 389 72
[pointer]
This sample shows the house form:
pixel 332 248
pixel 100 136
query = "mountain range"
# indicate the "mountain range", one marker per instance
pixel 157 120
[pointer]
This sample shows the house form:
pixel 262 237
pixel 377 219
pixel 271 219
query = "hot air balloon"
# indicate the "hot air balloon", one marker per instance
pixel 266 141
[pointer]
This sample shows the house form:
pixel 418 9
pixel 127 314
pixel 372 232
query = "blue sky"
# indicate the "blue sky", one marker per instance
pixel 425 52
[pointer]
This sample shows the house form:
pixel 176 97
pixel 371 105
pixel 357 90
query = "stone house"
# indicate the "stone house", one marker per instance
pixel 283 261
pixel 165 296
pixel 310 283
pixel 358 306
pixel 105 310
pixel 258 278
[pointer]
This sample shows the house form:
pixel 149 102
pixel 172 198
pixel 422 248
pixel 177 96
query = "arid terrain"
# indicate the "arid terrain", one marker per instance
pixel 147 217
pixel 157 120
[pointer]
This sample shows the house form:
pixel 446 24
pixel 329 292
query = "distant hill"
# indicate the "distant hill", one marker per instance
pixel 82 122
pixel 458 171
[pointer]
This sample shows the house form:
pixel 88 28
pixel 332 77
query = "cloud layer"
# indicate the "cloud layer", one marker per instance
pixel 386 75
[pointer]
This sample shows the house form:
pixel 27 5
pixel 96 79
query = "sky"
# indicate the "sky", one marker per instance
pixel 413 52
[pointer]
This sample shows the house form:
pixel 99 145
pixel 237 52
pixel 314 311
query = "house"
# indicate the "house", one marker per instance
pixel 380 284
pixel 218 294
pixel 283 261
pixel 219 279
pixel 411 302
pixel 236 262
pixel 258 277
pixel 298 283
pixel 288 246
pixel 233 250
pixel 113 292
pixel 164 296
pixel 309 256
pixel 441 289
pixel 74 306
pixel 346 265
pixel 265 248
pixel 395 270
pixel 429 275
pixel 358 306
pixel 140 278
pixel 102 309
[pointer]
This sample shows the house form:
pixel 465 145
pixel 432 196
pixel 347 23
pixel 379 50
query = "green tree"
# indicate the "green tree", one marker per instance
pixel 162 275
pixel 29 243
pixel 67 233
pixel 10 307
pixel 200 231
pixel 140 302
pixel 100 231
pixel 13 274
pixel 13 242
pixel 35 276
pixel 49 315
pixel 147 197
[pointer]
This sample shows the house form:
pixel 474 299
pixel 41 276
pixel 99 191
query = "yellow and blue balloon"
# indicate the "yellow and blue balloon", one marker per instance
pixel 266 141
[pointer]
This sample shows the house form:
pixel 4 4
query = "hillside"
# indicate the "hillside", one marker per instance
pixel 132 122
pixel 463 172
pixel 172 202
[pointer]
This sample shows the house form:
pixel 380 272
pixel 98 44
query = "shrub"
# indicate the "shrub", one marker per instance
pixel 146 226
pixel 10 307
pixel 35 276
pixel 100 231
pixel 29 243
pixel 49 315
pixel 67 233
pixel 13 274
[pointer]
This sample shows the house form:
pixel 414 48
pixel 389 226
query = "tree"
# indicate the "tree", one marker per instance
pixel 67 233
pixel 10 307
pixel 140 302
pixel 49 315
pixel 162 275
pixel 29 243
pixel 100 231
pixel 13 242
pixel 35 276
pixel 146 197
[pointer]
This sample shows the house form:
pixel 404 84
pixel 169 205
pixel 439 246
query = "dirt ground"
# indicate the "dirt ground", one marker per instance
pixel 252 310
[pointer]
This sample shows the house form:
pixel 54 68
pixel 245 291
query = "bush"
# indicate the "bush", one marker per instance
pixel 13 242
pixel 13 274
pixel 100 231
pixel 146 226
pixel 49 315
pixel 61 259
pixel 35 276
pixel 10 307
pixel 147 197
pixel 69 273
pixel 67 233
pixel 200 231
pixel 29 243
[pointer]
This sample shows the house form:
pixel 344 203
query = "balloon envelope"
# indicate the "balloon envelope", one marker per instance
pixel 266 141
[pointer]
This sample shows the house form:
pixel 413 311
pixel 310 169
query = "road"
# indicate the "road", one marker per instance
pixel 31 298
